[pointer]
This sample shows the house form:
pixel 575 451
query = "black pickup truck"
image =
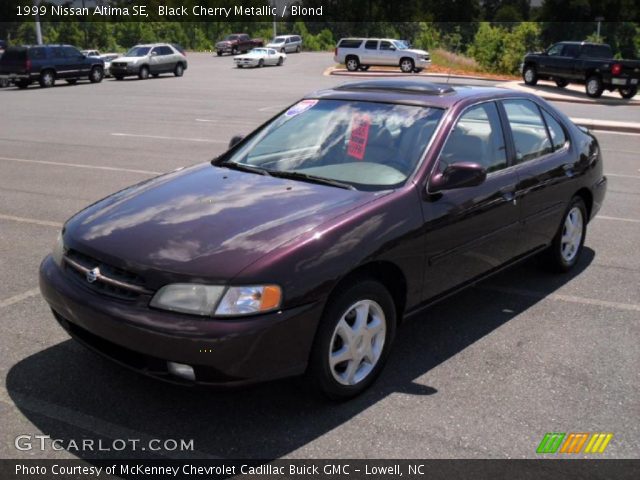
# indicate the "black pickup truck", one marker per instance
pixel 591 64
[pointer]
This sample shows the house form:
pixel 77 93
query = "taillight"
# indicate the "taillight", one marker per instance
pixel 27 65
pixel 616 69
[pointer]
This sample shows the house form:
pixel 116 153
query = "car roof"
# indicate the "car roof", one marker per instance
pixel 573 42
pixel 414 92
pixel 152 45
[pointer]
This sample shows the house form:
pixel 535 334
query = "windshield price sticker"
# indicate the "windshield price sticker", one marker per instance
pixel 300 107
pixel 359 136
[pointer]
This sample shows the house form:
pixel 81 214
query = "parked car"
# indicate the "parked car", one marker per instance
pixel 47 63
pixel 286 43
pixel 304 245
pixel 361 53
pixel 151 59
pixel 108 58
pixel 91 53
pixel 259 57
pixel 237 43
pixel 591 64
pixel 4 82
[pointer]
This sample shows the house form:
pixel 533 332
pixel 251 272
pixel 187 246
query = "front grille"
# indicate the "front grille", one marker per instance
pixel 107 279
pixel 118 64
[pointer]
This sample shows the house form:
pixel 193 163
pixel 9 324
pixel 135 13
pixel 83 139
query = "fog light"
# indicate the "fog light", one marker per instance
pixel 181 370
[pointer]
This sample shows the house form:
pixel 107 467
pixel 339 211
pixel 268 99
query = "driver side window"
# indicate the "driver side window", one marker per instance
pixel 477 138
pixel 555 51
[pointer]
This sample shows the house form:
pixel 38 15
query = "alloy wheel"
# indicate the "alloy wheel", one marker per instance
pixel 572 232
pixel 357 342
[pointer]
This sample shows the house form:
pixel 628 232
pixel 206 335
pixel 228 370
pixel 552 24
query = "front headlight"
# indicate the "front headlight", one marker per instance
pixel 249 299
pixel 58 250
pixel 188 298
pixel 202 299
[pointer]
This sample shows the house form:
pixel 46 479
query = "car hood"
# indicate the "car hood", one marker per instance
pixel 417 52
pixel 128 59
pixel 204 222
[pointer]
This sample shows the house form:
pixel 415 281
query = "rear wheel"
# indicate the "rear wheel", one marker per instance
pixel 407 65
pixel 628 92
pixel 47 79
pixel 96 75
pixel 261 63
pixel 530 75
pixel 143 74
pixel 561 82
pixel 353 339
pixel 179 70
pixel 566 247
pixel 594 87
pixel 352 63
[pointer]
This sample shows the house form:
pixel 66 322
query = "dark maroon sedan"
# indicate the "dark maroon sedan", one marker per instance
pixel 306 244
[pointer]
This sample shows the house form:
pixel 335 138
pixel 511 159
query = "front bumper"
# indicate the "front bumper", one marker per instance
pixel 117 70
pixel 224 48
pixel 229 352
pixel 13 77
pixel 422 62
pixel 246 63
pixel 599 191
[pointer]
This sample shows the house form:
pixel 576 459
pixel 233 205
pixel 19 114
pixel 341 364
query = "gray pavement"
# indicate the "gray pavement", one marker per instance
pixel 485 374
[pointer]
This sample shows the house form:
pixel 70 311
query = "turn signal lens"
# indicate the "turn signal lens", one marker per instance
pixel 249 299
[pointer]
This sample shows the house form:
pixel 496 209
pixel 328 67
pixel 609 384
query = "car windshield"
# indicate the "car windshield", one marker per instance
pixel 138 52
pixel 366 145
pixel 258 51
pixel 278 40
pixel 231 37
pixel 401 44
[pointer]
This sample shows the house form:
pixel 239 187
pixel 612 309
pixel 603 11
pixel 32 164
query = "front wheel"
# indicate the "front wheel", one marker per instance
pixel 280 61
pixel 628 92
pixel 219 53
pixel 594 87
pixel 143 74
pixel 561 82
pixel 261 63
pixel 234 51
pixel 179 70
pixel 353 340
pixel 407 65
pixel 530 75
pixel 47 79
pixel 352 64
pixel 566 247
pixel 96 75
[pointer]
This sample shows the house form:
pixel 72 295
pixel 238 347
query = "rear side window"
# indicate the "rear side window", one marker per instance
pixel 529 132
pixel 350 43
pixel 371 45
pixel 478 138
pixel 37 53
pixel 558 137
pixel 57 52
pixel 384 45
pixel 165 51
pixel 71 52
pixel 596 51
pixel 571 50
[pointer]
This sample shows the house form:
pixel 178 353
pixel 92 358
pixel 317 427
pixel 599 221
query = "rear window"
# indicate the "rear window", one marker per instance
pixel 14 54
pixel 349 43
pixel 596 51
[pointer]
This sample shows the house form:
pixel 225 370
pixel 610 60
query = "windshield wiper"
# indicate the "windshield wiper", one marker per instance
pixel 305 177
pixel 245 168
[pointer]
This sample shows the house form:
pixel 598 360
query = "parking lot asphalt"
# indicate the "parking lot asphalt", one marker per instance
pixel 484 374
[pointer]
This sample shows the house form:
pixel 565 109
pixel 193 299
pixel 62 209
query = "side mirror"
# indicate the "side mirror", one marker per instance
pixel 236 139
pixel 458 175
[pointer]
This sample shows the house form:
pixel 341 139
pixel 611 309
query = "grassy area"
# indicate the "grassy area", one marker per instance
pixel 444 61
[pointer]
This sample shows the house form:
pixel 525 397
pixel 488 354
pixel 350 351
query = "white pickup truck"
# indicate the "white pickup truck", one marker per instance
pixel 361 53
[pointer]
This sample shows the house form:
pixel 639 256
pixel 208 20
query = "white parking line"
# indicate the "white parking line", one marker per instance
pixel 80 165
pixel 609 132
pixel 622 176
pixel 231 123
pixel 565 298
pixel 34 221
pixel 89 423
pixel 7 302
pixel 160 137
pixel 618 219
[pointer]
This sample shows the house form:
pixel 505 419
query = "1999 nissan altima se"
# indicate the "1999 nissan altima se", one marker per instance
pixel 303 247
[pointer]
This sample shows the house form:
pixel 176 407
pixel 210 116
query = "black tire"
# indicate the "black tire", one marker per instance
pixel 96 75
pixel 594 87
pixel 282 50
pixel 72 81
pixel 530 75
pixel 261 63
pixel 4 83
pixel 407 65
pixel 417 70
pixel 298 49
pixel 561 82
pixel 554 260
pixel 155 75
pixel 118 77
pixel 628 92
pixel 364 68
pixel 321 374
pixel 280 61
pixel 47 79
pixel 143 74
pixel 234 51
pixel 22 84
pixel 219 53
pixel 179 70
pixel 352 63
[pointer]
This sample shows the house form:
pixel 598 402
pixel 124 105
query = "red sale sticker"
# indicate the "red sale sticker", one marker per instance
pixel 300 107
pixel 359 136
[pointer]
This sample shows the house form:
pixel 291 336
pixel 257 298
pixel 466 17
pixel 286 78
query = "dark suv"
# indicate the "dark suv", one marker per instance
pixel 46 63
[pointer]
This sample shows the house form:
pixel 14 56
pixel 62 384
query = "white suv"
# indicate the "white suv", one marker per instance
pixel 361 53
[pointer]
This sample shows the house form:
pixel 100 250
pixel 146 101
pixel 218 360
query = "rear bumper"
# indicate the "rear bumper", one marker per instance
pixel 222 353
pixel 16 76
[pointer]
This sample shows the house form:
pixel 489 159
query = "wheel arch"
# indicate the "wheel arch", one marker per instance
pixel 587 198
